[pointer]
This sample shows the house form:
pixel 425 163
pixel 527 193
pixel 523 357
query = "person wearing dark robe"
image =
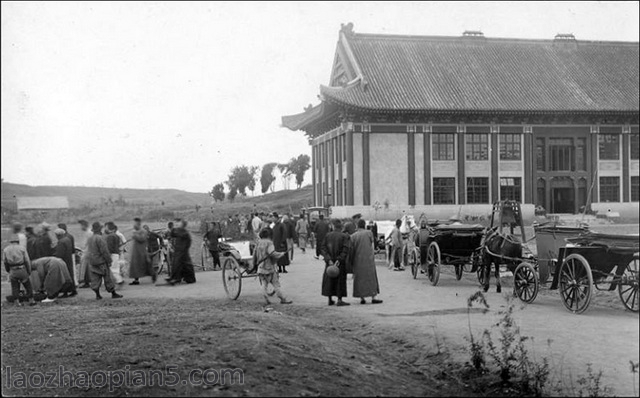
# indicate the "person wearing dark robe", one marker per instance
pixel 212 240
pixel 99 260
pixel 280 242
pixel 320 230
pixel 50 275
pixel 44 244
pixel 140 264
pixel 422 241
pixel 154 242
pixel 182 266
pixel 288 221
pixel 64 251
pixel 335 249
pixel 31 241
pixel 362 260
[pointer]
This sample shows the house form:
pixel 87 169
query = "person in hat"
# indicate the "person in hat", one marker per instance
pixel 140 263
pixel 302 229
pixel 17 230
pixel 44 244
pixel 335 249
pixel 265 257
pixel 212 239
pixel 362 260
pixel 64 251
pixel 99 260
pixel 31 241
pixel 113 243
pixel 17 263
pixel 182 266
pixel 320 230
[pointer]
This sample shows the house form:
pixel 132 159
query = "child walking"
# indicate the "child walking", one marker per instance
pixel 265 257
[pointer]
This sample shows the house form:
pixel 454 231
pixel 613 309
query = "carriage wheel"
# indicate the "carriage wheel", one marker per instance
pixel 414 261
pixel 459 270
pixel 525 283
pixel 231 277
pixel 433 263
pixel 576 283
pixel 628 290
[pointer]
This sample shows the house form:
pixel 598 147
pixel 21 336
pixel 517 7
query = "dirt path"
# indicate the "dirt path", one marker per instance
pixel 436 318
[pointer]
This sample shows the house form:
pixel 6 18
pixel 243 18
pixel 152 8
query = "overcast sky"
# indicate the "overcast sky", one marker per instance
pixel 173 95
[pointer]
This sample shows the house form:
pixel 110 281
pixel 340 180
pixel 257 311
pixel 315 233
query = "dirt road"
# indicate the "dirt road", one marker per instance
pixel 435 318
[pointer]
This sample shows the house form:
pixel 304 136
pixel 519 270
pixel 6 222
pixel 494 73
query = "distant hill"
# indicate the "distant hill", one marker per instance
pixel 95 197
pixel 80 196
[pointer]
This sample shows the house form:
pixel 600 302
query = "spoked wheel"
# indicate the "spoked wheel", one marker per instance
pixel 628 288
pixel 459 270
pixel 576 283
pixel 525 283
pixel 414 261
pixel 433 263
pixel 231 277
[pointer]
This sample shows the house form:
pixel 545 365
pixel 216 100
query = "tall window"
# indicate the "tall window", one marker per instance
pixel 635 189
pixel 581 154
pixel 541 193
pixel 477 190
pixel 609 146
pixel 444 191
pixel 540 158
pixel 510 146
pixel 344 190
pixel 477 146
pixel 511 189
pixel 561 154
pixel 635 146
pixel 609 189
pixel 443 146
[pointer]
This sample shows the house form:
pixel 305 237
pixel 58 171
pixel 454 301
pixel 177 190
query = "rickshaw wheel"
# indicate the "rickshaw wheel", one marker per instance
pixel 231 277
pixel 525 283
pixel 433 263
pixel 414 261
pixel 576 283
pixel 629 290
pixel 459 269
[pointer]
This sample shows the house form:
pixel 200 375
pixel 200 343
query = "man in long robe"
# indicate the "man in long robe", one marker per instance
pixel 182 266
pixel 140 262
pixel 335 249
pixel 280 242
pixel 362 260
pixel 44 243
pixel 82 266
pixel 320 230
pixel 302 230
pixel 50 276
pixel 64 251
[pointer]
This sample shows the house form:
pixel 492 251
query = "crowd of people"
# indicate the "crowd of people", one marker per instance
pixel 44 265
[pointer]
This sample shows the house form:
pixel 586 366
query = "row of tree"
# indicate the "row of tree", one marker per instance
pixel 243 178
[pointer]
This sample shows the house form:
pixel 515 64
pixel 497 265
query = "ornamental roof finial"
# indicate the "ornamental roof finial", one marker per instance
pixel 347 29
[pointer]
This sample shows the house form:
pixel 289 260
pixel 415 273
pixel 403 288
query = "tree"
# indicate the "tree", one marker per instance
pixel 298 167
pixel 253 171
pixel 217 193
pixel 233 192
pixel 240 178
pixel 266 177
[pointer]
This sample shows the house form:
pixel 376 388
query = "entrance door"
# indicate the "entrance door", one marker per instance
pixel 563 200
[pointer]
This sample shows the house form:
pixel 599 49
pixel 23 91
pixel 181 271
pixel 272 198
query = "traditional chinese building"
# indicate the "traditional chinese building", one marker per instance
pixel 428 121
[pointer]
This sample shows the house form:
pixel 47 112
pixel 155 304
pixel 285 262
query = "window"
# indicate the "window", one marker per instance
pixel 541 193
pixel 510 145
pixel 477 146
pixel 337 197
pixel 444 191
pixel 477 190
pixel 635 146
pixel 561 154
pixel 540 158
pixel 511 189
pixel 344 191
pixel 609 189
pixel 343 142
pixel 581 154
pixel 635 192
pixel 335 153
pixel 443 146
pixel 609 146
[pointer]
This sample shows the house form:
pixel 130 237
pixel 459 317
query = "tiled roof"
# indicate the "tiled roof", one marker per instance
pixel 424 73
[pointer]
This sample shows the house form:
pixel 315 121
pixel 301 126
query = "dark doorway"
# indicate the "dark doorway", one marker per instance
pixel 563 200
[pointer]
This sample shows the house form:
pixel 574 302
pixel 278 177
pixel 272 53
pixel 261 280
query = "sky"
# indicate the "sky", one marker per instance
pixel 173 95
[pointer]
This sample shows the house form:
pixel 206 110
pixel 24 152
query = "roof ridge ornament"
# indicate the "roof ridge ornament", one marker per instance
pixel 347 29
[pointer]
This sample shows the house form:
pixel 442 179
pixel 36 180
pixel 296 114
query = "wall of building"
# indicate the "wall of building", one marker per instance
pixel 388 177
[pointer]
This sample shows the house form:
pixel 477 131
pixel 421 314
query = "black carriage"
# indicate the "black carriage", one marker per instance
pixel 598 261
pixel 455 245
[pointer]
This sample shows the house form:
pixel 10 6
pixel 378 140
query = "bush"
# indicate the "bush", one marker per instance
pixel 159 215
